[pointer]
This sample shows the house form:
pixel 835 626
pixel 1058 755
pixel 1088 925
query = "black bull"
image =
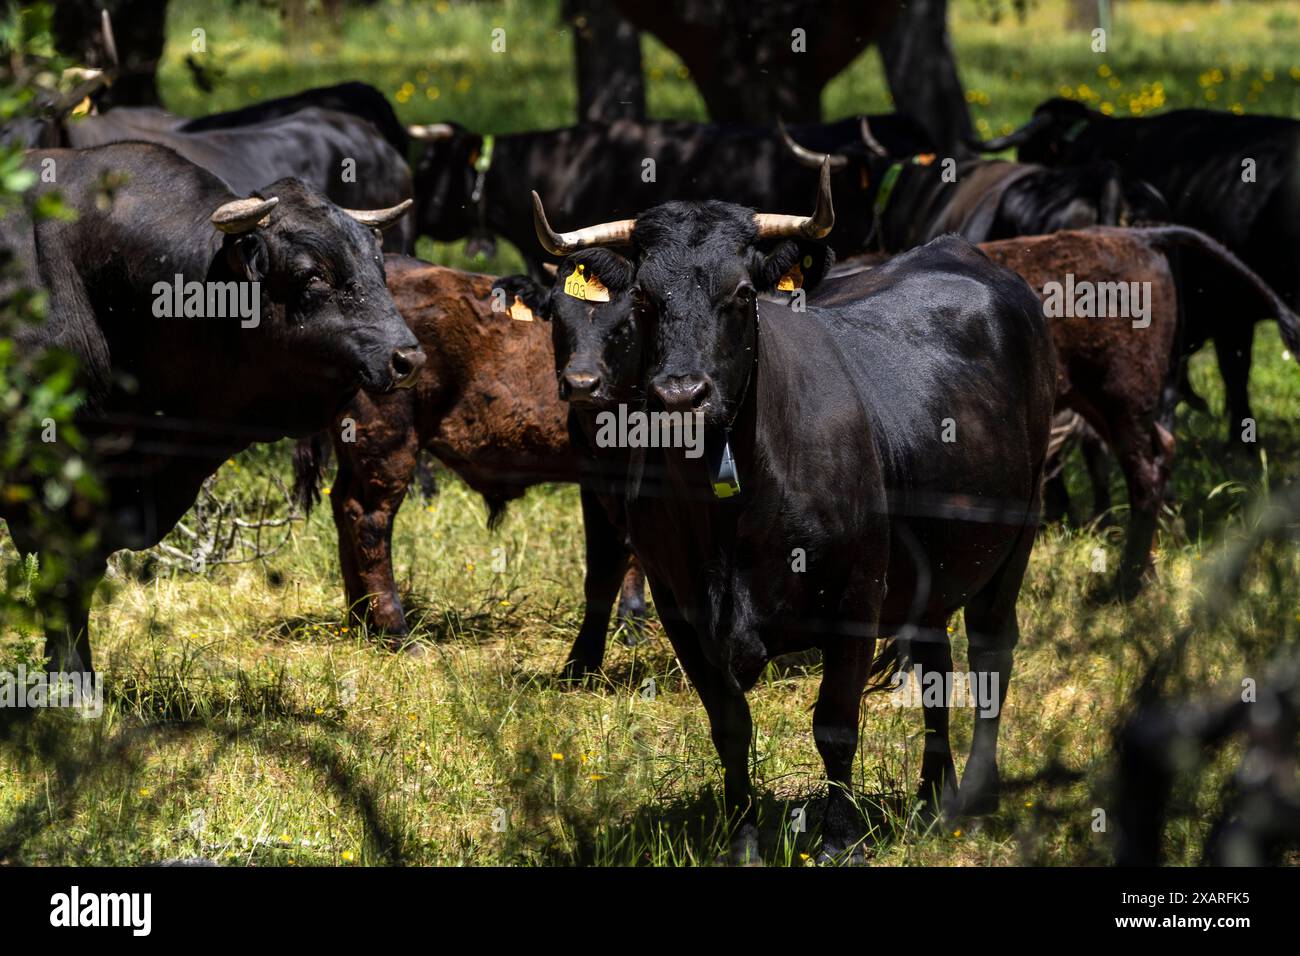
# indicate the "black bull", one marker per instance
pixel 466 185
pixel 895 431
pixel 359 99
pixel 1236 178
pixel 168 399
pixel 344 156
pixel 914 199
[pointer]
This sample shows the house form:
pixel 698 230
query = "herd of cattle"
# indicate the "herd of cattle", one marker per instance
pixel 877 380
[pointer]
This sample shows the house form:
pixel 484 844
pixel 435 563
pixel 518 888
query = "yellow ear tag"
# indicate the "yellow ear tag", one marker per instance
pixel 924 159
pixel 588 288
pixel 791 280
pixel 520 312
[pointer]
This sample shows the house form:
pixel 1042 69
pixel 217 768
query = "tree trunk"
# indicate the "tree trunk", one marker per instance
pixel 607 57
pixel 922 74
pixel 754 62
pixel 139 29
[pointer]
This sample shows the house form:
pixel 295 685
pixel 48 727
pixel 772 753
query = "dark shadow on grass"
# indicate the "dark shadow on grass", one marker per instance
pixel 43 741
pixel 688 829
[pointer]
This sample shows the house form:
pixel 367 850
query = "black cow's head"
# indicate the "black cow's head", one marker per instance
pixel 699 270
pixel 597 328
pixel 444 180
pixel 860 168
pixel 1049 136
pixel 327 324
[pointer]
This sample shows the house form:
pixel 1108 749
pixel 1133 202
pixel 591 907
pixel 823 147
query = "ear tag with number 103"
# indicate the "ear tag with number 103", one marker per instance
pixel 585 287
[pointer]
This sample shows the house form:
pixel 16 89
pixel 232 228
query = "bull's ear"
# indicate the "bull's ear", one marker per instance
pixel 793 265
pixel 248 257
pixel 534 296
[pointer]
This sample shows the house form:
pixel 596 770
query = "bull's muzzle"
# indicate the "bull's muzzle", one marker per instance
pixel 579 387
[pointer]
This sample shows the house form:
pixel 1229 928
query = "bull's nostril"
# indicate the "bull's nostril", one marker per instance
pixel 682 394
pixel 404 365
pixel 581 384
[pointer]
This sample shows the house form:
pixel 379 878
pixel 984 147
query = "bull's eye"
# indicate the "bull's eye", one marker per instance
pixel 313 286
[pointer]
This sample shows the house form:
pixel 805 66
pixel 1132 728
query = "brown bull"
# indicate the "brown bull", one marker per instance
pixel 486 405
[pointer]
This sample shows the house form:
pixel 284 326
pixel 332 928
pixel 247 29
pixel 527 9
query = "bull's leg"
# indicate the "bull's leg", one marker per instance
pixel 67 621
pixel 63 604
pixel 368 491
pixel 732 730
pixel 1097 461
pixel 846 662
pixel 731 727
pixel 932 653
pixel 1144 455
pixel 606 563
pixel 992 632
pixel 1232 348
pixel 1056 500
pixel 631 604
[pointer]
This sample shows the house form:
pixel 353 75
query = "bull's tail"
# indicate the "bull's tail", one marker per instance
pixel 310 456
pixel 1188 238
pixel 890 659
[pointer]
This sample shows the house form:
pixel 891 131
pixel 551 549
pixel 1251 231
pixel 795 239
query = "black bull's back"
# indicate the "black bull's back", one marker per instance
pixel 956 371
pixel 338 153
pixel 922 391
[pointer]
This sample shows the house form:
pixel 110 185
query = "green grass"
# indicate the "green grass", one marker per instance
pixel 245 723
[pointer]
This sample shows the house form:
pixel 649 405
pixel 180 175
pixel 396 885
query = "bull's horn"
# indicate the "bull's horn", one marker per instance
pixel 84 74
pixel 1015 137
pixel 816 226
pixel 432 131
pixel 243 215
pixel 869 138
pixel 562 243
pixel 807 156
pixel 110 44
pixel 380 218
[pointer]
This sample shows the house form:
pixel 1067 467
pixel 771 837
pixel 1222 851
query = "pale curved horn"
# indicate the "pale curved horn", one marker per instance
pixel 380 218
pixel 243 215
pixel 110 43
pixel 873 144
pixel 809 157
pixel 614 233
pixel 775 226
pixel 432 131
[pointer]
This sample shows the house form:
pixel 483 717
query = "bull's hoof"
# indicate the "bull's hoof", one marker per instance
pixel 936 798
pixel 832 855
pixel 631 624
pixel 402 644
pixel 743 850
pixel 980 792
pixel 577 672
pixel 632 632
pixel 415 650
pixel 1124 588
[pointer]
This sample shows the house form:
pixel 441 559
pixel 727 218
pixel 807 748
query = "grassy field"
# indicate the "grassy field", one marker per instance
pixel 245 723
